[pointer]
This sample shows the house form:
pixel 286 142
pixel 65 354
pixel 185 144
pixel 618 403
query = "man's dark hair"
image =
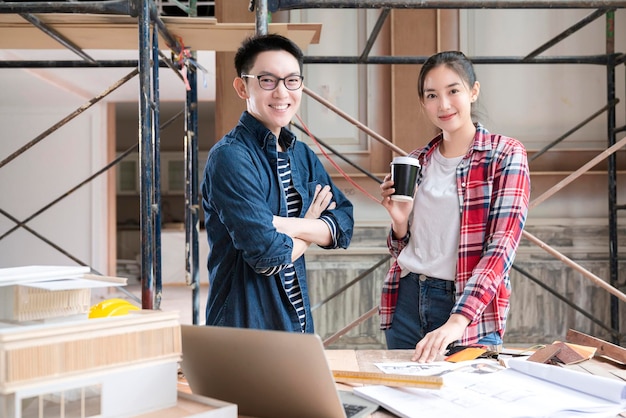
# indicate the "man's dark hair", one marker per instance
pixel 254 45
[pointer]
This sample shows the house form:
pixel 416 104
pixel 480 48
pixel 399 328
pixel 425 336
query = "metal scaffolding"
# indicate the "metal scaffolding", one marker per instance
pixel 611 59
pixel 150 26
pixel 150 61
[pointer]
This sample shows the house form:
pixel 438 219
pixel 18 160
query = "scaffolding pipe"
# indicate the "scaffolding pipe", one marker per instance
pixel 192 228
pixel 130 8
pixel 146 160
pixel 582 170
pixel 574 129
pixel 590 59
pixel 595 279
pixel 156 134
pixel 563 299
pixel 276 5
pixel 173 66
pixel 41 237
pixel 336 336
pixel 351 283
pixel 59 249
pixel 68 118
pixel 569 31
pixel 338 154
pixel 565 260
pixel 117 7
pixel 56 247
pixel 34 20
pixel 70 64
pixel 375 32
pixel 262 17
pixel 355 122
pixel 104 169
pixel 69 192
pixel 192 225
pixel 612 170
pixel 170 40
pixel 362 59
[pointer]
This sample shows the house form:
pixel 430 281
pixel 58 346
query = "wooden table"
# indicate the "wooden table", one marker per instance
pixel 364 361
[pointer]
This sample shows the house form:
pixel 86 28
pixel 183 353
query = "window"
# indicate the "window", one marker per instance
pixel 128 175
pixel 82 402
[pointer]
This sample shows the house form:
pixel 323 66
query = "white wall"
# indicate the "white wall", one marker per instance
pixel 46 171
pixel 538 103
pixel 535 103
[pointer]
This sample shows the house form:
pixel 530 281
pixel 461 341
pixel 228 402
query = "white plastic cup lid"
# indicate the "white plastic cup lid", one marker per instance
pixel 406 160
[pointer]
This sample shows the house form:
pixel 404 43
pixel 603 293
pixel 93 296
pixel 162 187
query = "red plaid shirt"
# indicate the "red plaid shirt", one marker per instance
pixel 494 189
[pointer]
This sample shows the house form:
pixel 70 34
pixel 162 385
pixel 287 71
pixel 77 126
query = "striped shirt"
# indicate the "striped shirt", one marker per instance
pixel 294 207
pixel 493 184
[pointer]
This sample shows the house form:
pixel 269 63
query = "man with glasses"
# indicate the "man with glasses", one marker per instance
pixel 266 198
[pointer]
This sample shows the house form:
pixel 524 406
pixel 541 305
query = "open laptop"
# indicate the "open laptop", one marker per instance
pixel 268 374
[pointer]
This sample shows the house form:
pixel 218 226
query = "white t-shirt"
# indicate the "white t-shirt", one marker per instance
pixel 433 247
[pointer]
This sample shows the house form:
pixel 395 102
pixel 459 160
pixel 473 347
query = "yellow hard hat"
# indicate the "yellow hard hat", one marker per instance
pixel 111 307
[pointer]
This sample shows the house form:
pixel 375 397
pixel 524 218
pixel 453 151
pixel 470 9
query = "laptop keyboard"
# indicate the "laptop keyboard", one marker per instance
pixel 352 410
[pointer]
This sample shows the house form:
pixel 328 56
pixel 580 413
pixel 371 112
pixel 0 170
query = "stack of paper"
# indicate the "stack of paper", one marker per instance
pixel 525 389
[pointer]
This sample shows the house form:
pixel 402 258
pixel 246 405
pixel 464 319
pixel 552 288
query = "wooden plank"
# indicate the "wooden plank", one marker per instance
pixel 604 348
pixel 388 379
pixel 413 32
pixel 545 355
pixel 567 354
pixel 121 32
pixel 228 112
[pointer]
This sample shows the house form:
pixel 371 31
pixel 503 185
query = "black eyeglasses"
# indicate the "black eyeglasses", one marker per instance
pixel 270 82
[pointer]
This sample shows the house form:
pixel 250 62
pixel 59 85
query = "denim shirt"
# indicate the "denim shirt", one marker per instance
pixel 241 193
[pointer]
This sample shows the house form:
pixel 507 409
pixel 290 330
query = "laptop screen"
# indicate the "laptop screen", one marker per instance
pixel 268 374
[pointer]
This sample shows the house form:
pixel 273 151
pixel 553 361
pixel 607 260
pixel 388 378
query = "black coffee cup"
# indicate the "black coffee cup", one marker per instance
pixel 404 171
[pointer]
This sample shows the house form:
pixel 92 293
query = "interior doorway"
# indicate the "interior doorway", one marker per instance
pixel 128 215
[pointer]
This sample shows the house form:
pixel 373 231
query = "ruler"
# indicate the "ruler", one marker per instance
pixel 388 379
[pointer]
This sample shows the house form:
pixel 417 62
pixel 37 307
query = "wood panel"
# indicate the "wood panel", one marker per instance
pixel 228 106
pixel 121 32
pixel 413 33
pixel 416 33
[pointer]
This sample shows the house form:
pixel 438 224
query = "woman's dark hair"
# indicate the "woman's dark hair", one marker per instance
pixel 455 60
pixel 254 45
